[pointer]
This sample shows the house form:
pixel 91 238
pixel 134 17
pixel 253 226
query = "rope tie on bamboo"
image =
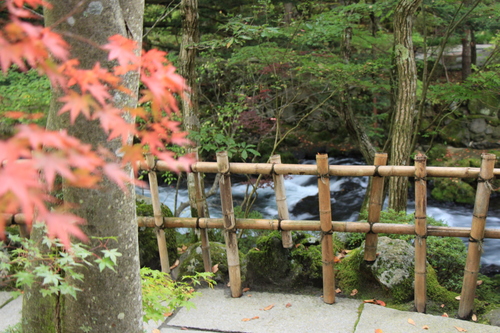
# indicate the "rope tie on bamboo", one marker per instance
pixel 376 173
pixel 420 238
pixel 272 173
pixel 232 226
pixel 13 219
pixel 486 181
pixel 324 233
pixel 153 168
pixel 478 241
pixel 279 224
pixel 420 178
pixel 322 177
pixel 371 228
pixel 198 222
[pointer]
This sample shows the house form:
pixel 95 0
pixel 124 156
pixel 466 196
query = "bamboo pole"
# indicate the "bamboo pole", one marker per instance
pixel 476 236
pixel 233 258
pixel 309 225
pixel 374 208
pixel 325 215
pixel 421 233
pixel 158 216
pixel 334 170
pixel 279 188
pixel 200 207
pixel 299 225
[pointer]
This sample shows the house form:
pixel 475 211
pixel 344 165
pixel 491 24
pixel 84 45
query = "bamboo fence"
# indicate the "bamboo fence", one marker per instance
pixel 323 171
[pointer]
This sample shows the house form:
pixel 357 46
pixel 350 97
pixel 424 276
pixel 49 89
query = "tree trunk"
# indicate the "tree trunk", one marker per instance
pixel 187 68
pixel 466 54
pixel 110 301
pixel 404 112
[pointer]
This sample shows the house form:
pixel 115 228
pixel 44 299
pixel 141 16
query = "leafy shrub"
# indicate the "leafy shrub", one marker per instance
pixel 161 294
pixel 148 243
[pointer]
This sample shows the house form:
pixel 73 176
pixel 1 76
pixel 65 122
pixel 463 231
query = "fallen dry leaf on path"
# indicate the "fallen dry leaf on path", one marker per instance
pixel 246 289
pixel 338 291
pixel 474 317
pixel 354 292
pixel 176 263
pixel 444 315
pixel 167 314
pixel 215 268
pixel 425 327
pixel 479 282
pixel 155 331
pixel 374 301
pixel 460 329
pixel 288 305
pixel 378 330
pixel 411 321
pixel 248 319
pixel 269 307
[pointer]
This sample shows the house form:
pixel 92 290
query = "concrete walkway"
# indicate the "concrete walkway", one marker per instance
pixel 264 312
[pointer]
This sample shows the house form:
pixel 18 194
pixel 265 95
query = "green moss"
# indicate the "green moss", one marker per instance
pixel 453 190
pixel 192 261
pixel 148 243
pixel 439 294
pixel 269 262
pixel 447 255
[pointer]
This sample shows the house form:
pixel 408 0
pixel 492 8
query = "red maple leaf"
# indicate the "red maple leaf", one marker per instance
pixel 75 104
pixel 62 226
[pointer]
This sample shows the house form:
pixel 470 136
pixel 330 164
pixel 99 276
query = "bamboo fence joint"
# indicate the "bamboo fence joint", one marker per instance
pixel 233 258
pixel 421 233
pixel 476 236
pixel 374 209
pixel 155 200
pixel 325 213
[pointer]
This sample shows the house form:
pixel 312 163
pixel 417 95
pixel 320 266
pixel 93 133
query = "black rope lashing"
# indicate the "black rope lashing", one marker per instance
pixel 371 228
pixel 474 240
pixel 13 219
pixel 155 162
pixel 279 224
pixel 420 178
pixel 376 173
pixel 198 222
pixel 272 173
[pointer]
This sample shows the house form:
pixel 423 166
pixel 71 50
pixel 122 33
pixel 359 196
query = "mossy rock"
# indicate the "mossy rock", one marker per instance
pixel 191 262
pixel 148 243
pixel 453 190
pixel 269 262
pixel 447 256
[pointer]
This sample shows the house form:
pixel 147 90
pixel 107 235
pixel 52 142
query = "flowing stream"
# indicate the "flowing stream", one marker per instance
pixel 346 196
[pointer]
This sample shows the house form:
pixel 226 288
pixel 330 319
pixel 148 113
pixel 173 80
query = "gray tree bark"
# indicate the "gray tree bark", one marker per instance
pixel 404 113
pixel 187 68
pixel 110 301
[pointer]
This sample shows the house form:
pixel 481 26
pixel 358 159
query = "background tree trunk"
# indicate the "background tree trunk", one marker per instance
pixel 404 113
pixel 110 301
pixel 187 68
pixel 466 54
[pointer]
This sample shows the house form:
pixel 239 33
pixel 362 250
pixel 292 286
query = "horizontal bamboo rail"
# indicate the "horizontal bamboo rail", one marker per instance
pixel 334 170
pixel 298 225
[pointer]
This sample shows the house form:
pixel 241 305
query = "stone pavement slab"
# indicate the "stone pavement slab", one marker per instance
pixel 10 312
pixel 217 311
pixel 393 321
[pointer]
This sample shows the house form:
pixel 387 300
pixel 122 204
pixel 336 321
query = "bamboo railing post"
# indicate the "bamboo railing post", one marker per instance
pixel 325 214
pixel 374 208
pixel 233 258
pixel 421 233
pixel 279 189
pixel 476 236
pixel 200 207
pixel 158 216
